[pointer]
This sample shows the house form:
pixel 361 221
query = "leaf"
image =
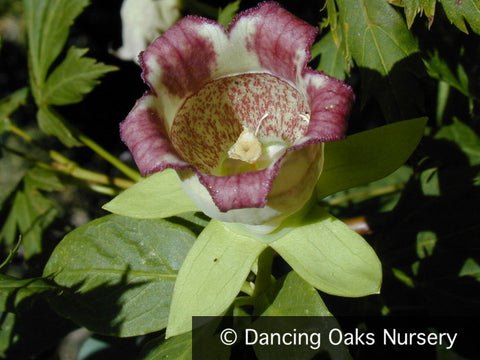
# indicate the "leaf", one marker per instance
pixel 157 196
pixel 118 273
pixel 438 68
pixel 297 305
pixel 73 78
pixel 212 275
pixel 368 156
pixel 461 11
pixel 12 170
pixel 15 291
pixel 51 123
pixel 464 137
pixel 296 297
pixel 426 241
pixel 9 105
pixel 415 7
pixel 48 23
pixel 226 15
pixel 379 41
pixel 178 348
pixel 330 256
pixel 470 268
pixel 43 179
pixel 332 57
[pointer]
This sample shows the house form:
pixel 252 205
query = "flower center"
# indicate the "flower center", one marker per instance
pixel 239 123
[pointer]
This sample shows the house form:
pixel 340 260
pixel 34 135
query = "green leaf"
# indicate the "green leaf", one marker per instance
pixel 178 348
pixel 73 78
pixel 459 12
pixel 48 23
pixel 368 156
pixel 9 105
pixel 296 297
pixel 332 57
pixel 415 7
pixel 13 292
pixel 470 268
pixel 379 41
pixel 226 15
pixel 293 296
pixel 51 123
pixel 212 275
pixel 156 196
pixel 426 241
pixel 464 137
pixel 438 68
pixel 330 256
pixel 43 179
pixel 118 273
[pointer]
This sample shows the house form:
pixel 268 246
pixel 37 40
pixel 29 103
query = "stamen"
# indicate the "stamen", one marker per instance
pixel 247 148
pixel 260 123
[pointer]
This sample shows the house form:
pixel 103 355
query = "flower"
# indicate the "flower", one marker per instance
pixel 143 21
pixel 238 114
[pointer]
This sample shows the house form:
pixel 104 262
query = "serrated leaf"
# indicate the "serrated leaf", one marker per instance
pixel 48 23
pixel 415 7
pixel 118 273
pixel 368 156
pixel 73 78
pixel 464 11
pixel 12 170
pixel 464 137
pixel 226 15
pixel 438 68
pixel 212 275
pixel 330 256
pixel 380 43
pixel 9 105
pixel 43 179
pixel 332 57
pixel 51 123
pixel 157 196
pixel 15 291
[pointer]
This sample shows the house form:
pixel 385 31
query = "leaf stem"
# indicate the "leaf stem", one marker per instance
pixel 125 169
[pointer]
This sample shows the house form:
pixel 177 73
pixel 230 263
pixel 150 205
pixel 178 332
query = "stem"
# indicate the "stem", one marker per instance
pixel 384 190
pixel 125 169
pixel 264 273
pixel 69 167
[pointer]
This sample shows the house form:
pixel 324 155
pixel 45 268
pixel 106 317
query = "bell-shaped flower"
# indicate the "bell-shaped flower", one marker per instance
pixel 238 114
pixel 143 21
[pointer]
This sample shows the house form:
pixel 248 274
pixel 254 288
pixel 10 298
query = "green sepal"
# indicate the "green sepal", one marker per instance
pixel 368 156
pixel 156 196
pixel 212 275
pixel 330 256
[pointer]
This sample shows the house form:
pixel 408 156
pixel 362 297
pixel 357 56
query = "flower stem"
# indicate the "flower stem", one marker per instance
pixel 128 171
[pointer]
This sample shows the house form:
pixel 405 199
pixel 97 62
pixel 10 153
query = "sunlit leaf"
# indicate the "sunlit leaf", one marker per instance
pixel 381 45
pixel 157 196
pixel 470 268
pixel 368 156
pixel 73 78
pixel 415 7
pixel 332 57
pixel 330 256
pixel 212 275
pixel 118 273
pixel 227 14
pixel 460 12
pixel 48 23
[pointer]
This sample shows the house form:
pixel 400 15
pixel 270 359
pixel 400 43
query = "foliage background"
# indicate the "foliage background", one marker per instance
pixel 423 219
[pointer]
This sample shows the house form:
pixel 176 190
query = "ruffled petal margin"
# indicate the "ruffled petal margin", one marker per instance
pixel 280 41
pixel 330 103
pixel 144 133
